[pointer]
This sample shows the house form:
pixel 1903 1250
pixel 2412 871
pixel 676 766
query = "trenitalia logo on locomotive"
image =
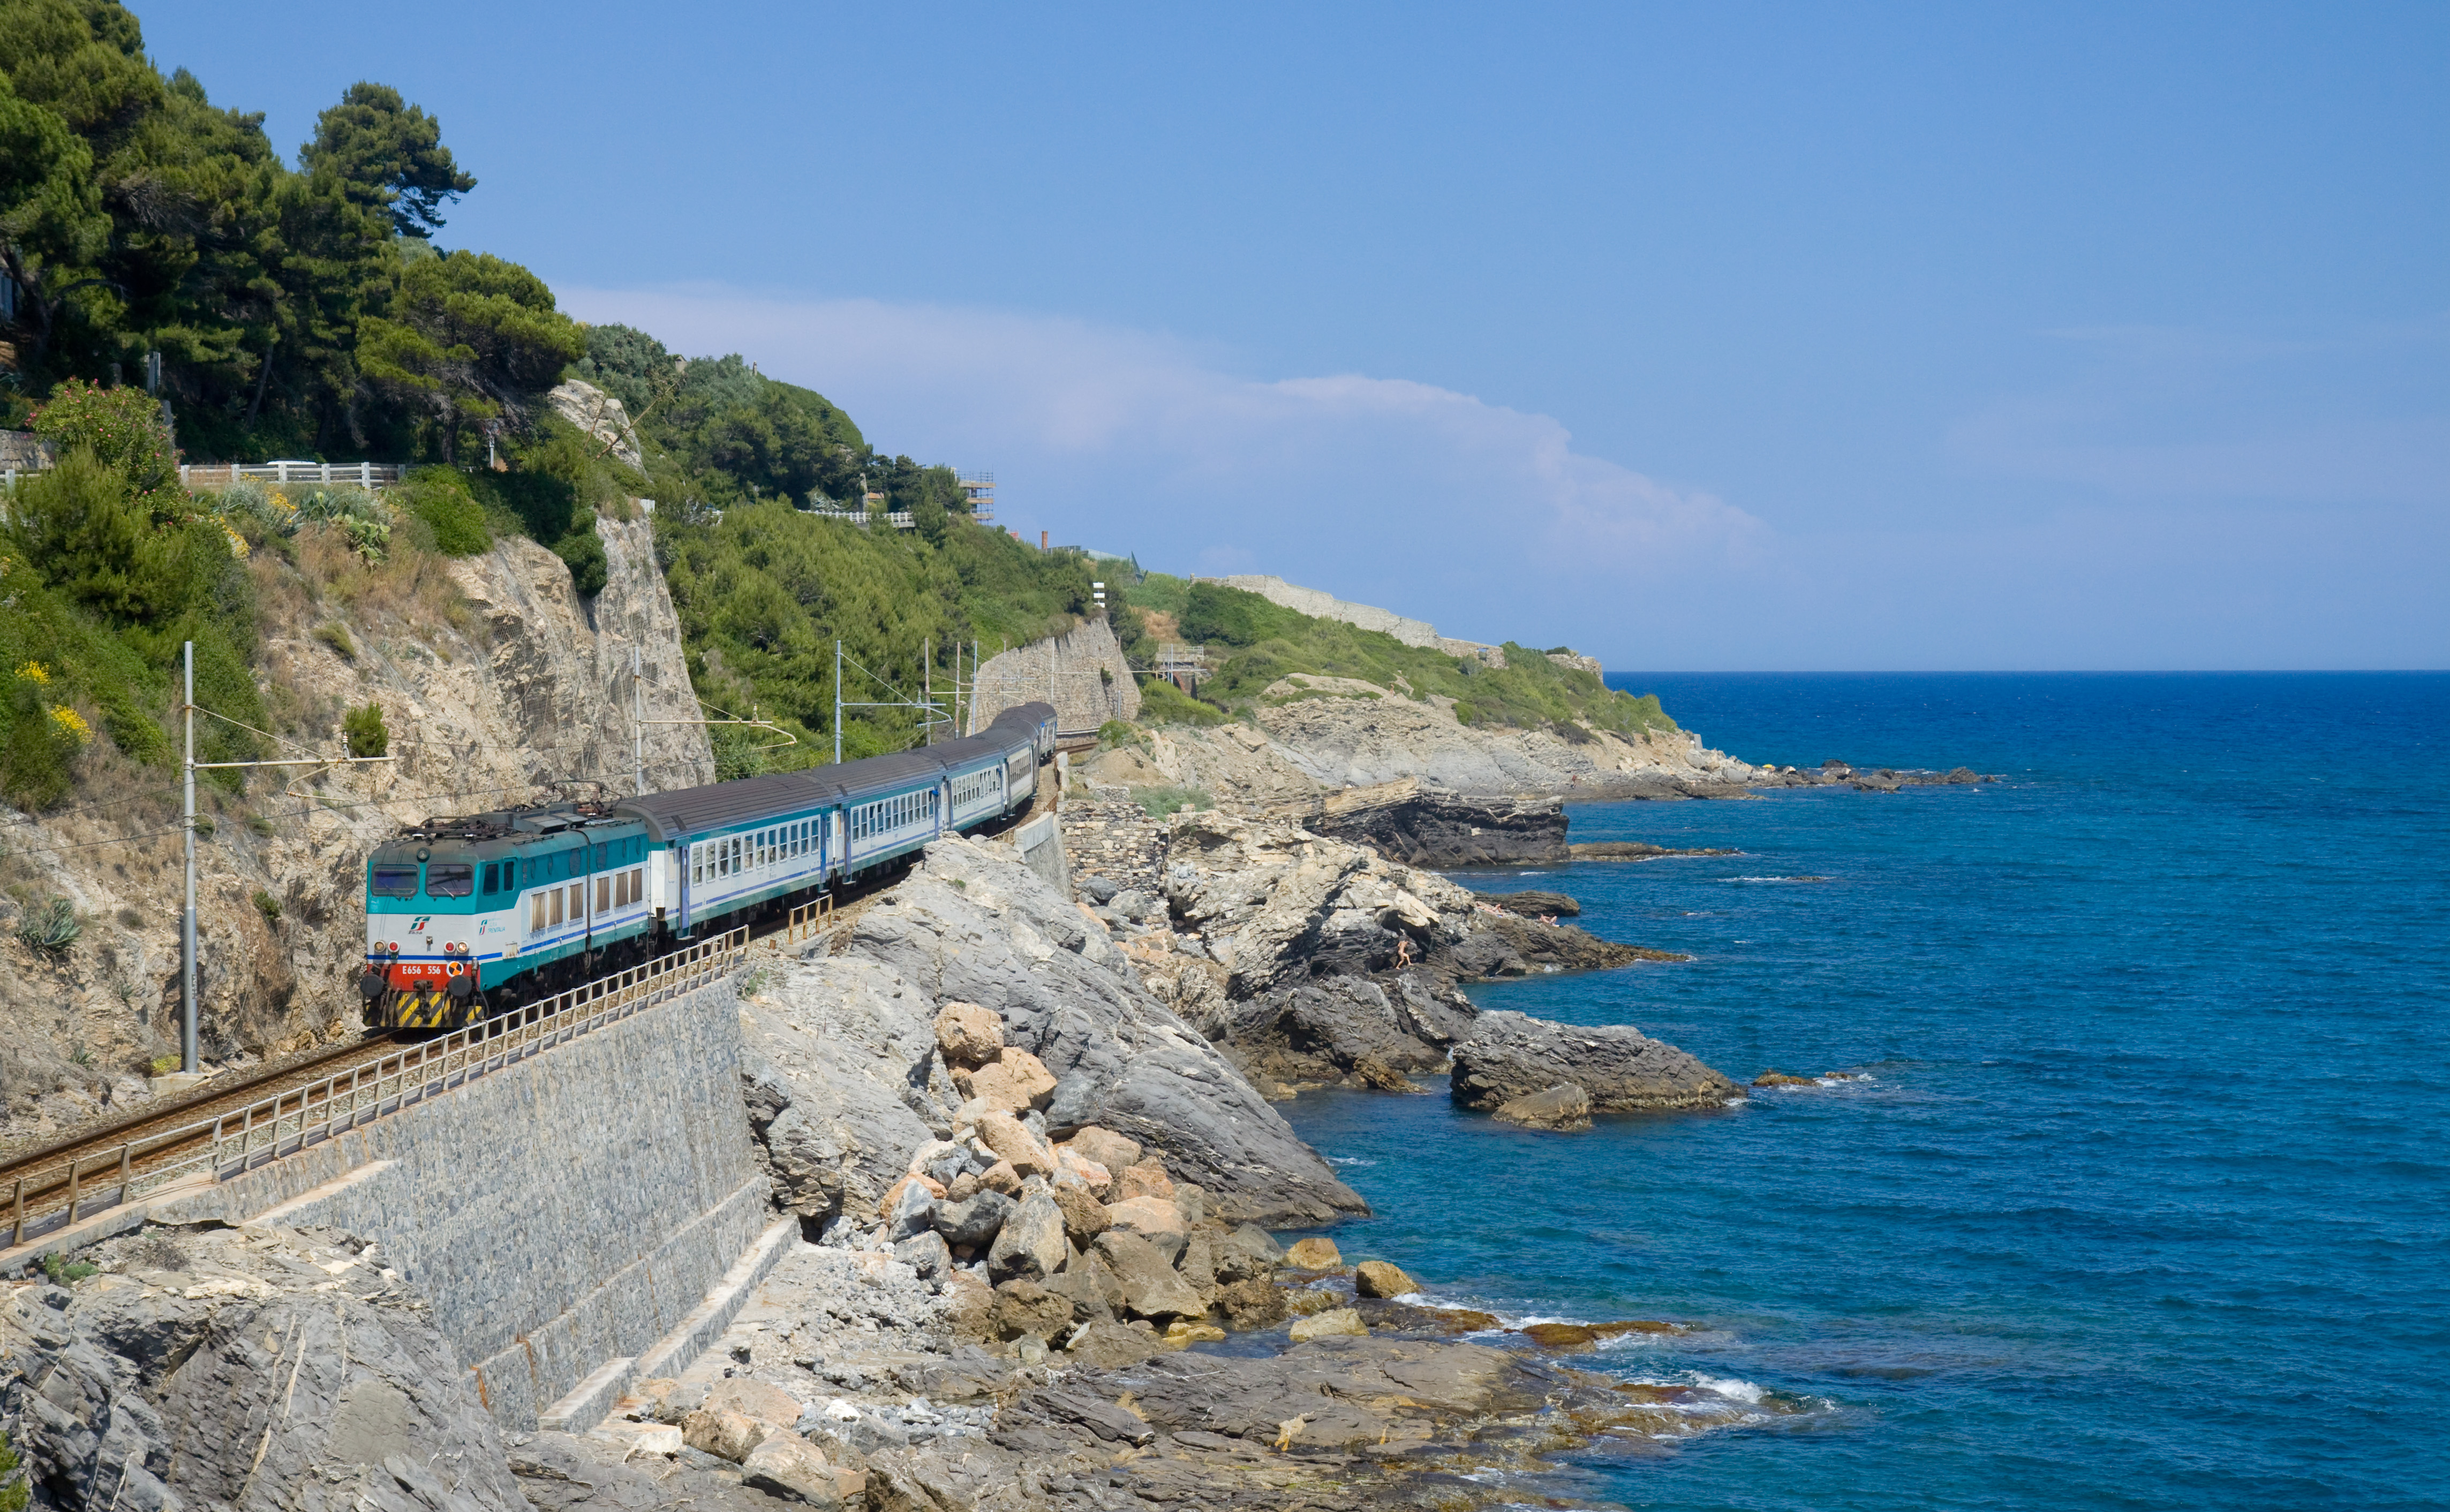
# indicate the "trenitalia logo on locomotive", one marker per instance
pixel 472 915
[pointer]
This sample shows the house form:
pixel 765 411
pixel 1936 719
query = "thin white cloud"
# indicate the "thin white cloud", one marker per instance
pixel 1132 441
pixel 2182 416
pixel 2142 533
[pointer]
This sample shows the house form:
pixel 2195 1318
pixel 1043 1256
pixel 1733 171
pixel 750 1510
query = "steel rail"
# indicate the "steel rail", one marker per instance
pixel 44 1193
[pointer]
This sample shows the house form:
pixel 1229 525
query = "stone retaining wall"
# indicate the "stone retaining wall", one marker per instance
pixel 563 1212
pixel 1082 673
pixel 1113 838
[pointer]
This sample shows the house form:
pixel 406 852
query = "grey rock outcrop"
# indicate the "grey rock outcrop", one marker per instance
pixel 973 924
pixel 601 417
pixel 1562 1107
pixel 844 1081
pixel 849 1079
pixel 1534 902
pixel 255 1368
pixel 1511 1055
pixel 1317 959
pixel 1422 824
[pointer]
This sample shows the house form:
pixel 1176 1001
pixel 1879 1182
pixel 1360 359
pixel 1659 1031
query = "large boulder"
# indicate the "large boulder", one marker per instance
pixel 1025 1306
pixel 1512 1056
pixel 1380 1278
pixel 967 1034
pixel 974 1221
pixel 1563 1107
pixel 1151 1286
pixel 790 1466
pixel 1031 1245
pixel 1013 1143
pixel 1015 1081
pixel 1333 1324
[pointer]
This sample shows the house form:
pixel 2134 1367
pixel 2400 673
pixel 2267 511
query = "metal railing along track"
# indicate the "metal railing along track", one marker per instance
pixel 103 1175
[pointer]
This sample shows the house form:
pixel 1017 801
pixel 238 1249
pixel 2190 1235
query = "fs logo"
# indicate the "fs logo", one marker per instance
pixel 417 926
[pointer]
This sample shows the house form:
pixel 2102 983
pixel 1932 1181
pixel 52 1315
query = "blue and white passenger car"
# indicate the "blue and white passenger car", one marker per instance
pixel 469 915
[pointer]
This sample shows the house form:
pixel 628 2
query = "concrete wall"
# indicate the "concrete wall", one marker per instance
pixel 562 1213
pixel 1064 671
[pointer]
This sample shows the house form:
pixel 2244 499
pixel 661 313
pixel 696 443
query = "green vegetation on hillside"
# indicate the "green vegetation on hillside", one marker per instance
pixel 104 571
pixel 764 591
pixel 1254 642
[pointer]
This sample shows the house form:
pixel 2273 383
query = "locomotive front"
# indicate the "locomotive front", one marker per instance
pixel 422 926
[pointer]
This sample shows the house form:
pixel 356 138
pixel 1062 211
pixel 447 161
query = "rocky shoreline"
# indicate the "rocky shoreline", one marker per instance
pixel 1036 1268
pixel 1029 1142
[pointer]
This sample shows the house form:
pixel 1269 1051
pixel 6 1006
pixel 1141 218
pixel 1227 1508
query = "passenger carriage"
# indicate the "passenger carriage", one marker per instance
pixel 469 915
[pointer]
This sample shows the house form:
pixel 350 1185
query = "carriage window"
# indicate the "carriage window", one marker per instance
pixel 449 880
pixel 395 882
pixel 555 896
pixel 536 911
pixel 604 895
pixel 492 882
pixel 637 884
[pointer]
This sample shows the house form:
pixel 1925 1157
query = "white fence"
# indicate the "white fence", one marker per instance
pixel 364 474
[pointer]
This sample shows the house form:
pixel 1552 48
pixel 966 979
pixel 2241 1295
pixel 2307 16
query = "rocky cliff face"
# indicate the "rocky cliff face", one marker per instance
pixel 1298 752
pixel 256 1368
pixel 499 685
pixel 858 1079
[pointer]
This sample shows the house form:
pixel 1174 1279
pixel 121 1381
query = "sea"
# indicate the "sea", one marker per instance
pixel 2132 1193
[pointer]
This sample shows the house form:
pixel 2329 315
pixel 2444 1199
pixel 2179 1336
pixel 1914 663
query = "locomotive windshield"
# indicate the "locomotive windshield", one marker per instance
pixel 395 882
pixel 449 880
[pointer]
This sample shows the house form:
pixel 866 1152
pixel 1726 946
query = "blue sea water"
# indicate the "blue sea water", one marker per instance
pixel 2140 1200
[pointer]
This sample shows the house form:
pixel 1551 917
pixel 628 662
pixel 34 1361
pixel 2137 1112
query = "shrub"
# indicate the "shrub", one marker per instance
pixel 336 635
pixel 1161 703
pixel 268 905
pixel 38 749
pixel 77 525
pixel 51 930
pixel 366 732
pixel 61 1272
pixel 1160 801
pixel 121 427
pixel 15 1493
pixel 362 517
pixel 584 550
pixel 438 497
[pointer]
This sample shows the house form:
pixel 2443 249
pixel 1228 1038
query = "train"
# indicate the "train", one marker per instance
pixel 469 916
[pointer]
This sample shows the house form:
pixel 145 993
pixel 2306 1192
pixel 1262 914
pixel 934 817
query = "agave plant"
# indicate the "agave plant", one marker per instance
pixel 51 929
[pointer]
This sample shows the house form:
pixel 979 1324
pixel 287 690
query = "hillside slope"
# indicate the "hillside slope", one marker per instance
pixel 499 685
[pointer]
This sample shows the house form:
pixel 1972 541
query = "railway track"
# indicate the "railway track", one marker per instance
pixel 54 1177
pixel 230 1123
pixel 223 1129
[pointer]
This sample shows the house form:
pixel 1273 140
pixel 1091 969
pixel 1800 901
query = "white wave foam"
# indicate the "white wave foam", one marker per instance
pixel 1349 1160
pixel 1730 1388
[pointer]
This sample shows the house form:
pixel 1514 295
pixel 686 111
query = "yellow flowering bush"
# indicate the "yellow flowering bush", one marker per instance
pixel 71 724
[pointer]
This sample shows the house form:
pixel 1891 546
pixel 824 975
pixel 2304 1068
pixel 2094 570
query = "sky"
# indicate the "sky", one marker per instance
pixel 1742 336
